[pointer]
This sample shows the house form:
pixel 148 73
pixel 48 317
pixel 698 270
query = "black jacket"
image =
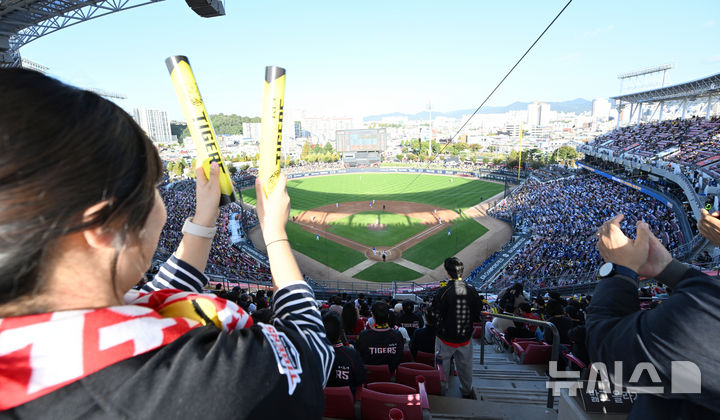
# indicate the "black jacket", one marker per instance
pixel 682 328
pixel 410 322
pixel 456 307
pixel 423 340
pixel 563 324
pixel 348 369
pixel 381 347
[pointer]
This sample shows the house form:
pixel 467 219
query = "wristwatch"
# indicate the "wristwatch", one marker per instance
pixel 609 269
pixel 191 228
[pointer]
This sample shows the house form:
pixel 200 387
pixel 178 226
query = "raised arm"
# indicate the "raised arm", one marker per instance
pixel 294 304
pixel 184 269
pixel 194 249
pixel 617 330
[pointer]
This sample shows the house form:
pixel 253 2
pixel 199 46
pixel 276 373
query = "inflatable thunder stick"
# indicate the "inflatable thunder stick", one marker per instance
pixel 199 124
pixel 271 128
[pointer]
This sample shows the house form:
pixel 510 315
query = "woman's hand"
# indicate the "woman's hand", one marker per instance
pixel 207 196
pixel 709 226
pixel 273 211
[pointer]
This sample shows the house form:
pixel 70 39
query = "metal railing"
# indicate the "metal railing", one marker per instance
pixel 554 353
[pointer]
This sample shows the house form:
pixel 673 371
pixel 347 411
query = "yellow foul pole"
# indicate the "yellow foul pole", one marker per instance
pixel 520 156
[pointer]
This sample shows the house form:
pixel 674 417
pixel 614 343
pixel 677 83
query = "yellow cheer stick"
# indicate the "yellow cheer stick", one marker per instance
pixel 199 124
pixel 271 128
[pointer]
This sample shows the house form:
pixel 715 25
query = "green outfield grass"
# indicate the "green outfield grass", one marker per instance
pixel 432 251
pixel 387 272
pixel 323 250
pixel 452 193
pixel 397 228
pixel 436 190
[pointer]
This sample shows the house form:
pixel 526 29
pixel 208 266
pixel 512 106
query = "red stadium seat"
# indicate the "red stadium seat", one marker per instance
pixel 407 374
pixel 478 330
pixel 377 399
pixel 529 353
pixel 574 360
pixel 377 373
pixel 426 358
pixel 396 414
pixel 522 340
pixel 406 357
pixel 339 403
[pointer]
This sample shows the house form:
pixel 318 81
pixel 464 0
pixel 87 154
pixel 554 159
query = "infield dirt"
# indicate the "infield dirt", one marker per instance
pixel 473 255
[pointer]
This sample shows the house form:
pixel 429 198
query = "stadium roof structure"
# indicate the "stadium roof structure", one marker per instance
pixel 23 21
pixel 683 93
pixel 708 86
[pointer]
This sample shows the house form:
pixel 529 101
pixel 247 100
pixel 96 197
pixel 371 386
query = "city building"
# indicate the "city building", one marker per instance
pixel 251 131
pixel 600 109
pixel 155 124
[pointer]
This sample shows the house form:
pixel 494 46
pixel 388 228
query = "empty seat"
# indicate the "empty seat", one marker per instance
pixel 339 402
pixel 377 399
pixel 406 357
pixel 529 353
pixel 377 373
pixel 407 374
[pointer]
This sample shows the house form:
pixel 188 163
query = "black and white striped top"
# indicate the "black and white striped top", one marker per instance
pixel 294 307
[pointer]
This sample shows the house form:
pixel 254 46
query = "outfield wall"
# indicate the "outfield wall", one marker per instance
pixel 479 175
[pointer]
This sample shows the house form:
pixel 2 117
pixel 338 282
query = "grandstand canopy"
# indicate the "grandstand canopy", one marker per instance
pixel 708 86
pixel 23 21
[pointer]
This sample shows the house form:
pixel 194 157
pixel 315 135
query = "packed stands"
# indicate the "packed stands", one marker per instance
pixel 225 259
pixel 563 216
pixel 687 145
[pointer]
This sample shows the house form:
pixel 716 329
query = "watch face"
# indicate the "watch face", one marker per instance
pixel 605 269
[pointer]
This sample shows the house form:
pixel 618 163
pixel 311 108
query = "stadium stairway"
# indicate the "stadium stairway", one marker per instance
pixel 503 389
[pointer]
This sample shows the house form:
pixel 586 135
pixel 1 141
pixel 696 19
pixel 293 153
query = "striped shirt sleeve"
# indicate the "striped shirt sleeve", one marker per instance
pixel 177 274
pixel 295 308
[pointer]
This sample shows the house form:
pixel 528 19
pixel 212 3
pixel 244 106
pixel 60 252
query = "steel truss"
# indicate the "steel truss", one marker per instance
pixel 23 21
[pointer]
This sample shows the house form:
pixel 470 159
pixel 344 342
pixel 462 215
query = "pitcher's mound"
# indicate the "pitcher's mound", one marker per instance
pixel 376 226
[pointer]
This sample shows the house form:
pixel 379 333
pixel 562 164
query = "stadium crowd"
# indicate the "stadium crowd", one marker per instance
pixel 685 146
pixel 562 217
pixel 225 259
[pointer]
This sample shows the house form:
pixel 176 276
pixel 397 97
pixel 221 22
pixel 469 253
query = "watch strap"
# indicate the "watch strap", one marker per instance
pixel 191 228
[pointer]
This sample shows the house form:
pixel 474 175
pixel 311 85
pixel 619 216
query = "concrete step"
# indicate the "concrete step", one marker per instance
pixel 447 408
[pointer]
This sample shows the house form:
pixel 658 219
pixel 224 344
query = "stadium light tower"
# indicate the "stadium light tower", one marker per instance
pixel 429 108
pixel 641 78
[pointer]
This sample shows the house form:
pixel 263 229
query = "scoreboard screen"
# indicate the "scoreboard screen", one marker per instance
pixel 361 140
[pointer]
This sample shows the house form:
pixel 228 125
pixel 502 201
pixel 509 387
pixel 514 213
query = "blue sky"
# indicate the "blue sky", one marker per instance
pixel 370 57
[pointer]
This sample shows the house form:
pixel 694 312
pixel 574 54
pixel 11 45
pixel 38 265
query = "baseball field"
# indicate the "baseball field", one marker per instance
pixel 383 227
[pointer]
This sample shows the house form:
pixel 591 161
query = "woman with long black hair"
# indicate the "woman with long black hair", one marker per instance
pixel 80 218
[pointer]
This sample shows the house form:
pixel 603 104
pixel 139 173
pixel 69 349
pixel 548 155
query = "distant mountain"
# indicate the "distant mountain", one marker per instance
pixel 577 106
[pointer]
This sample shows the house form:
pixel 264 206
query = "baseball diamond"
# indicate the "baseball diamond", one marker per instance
pixel 388 227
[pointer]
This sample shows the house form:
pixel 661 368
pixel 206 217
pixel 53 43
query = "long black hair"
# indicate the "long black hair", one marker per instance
pixel 63 150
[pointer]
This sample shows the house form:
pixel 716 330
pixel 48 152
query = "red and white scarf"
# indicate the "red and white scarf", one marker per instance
pixel 41 353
